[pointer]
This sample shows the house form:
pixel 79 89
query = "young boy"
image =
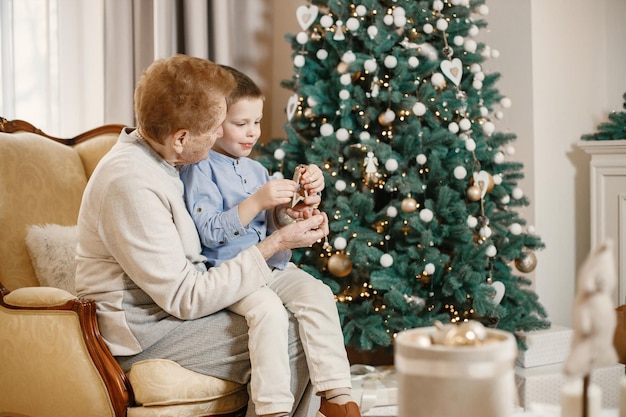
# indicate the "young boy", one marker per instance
pixel 234 202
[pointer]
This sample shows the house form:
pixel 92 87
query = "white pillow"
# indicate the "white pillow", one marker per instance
pixel 52 250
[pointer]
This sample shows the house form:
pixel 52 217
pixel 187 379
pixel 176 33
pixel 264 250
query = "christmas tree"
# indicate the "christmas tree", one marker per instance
pixel 613 129
pixel 391 101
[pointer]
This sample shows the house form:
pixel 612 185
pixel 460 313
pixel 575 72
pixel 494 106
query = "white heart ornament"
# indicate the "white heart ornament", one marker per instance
pixel 481 180
pixel 292 104
pixel 306 15
pixel 499 295
pixel 453 70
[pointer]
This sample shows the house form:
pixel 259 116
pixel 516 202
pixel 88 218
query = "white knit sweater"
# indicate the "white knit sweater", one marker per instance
pixel 138 252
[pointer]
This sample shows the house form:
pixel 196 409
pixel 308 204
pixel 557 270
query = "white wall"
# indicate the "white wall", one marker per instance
pixel 562 64
pixel 564 73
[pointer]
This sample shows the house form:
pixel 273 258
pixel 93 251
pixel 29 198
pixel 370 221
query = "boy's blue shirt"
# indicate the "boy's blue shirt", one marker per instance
pixel 213 190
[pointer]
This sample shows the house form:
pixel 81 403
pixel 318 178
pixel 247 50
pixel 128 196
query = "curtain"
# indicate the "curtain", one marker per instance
pixel 139 32
pixel 71 65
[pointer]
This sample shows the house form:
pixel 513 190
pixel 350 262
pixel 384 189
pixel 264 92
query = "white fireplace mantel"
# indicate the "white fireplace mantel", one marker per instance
pixel 607 171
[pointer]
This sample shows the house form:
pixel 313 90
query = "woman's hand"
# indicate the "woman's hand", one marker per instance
pixel 296 235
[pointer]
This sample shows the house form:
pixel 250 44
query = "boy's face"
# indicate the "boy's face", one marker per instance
pixel 242 128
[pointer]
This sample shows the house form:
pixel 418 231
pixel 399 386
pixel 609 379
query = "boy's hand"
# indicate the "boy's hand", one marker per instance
pixel 311 178
pixel 274 193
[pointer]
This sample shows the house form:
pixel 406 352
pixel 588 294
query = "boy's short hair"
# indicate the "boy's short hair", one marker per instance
pixel 245 89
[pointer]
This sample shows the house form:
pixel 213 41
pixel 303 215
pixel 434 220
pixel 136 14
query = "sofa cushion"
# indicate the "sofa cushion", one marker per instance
pixel 52 248
pixel 160 382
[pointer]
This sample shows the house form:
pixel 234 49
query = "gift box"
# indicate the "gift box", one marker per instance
pixel 384 411
pixel 545 347
pixel 543 384
pixel 443 380
pixel 374 387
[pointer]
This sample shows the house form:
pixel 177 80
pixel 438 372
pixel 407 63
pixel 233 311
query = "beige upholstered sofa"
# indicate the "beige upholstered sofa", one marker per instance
pixel 53 361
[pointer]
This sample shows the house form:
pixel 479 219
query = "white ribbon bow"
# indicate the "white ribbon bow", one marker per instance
pixel 372 377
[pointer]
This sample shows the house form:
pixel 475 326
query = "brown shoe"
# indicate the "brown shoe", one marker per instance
pixel 328 409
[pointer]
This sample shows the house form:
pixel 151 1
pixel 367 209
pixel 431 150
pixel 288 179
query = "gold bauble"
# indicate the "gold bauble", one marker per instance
pixel 339 265
pixel 408 205
pixel 473 193
pixel 527 262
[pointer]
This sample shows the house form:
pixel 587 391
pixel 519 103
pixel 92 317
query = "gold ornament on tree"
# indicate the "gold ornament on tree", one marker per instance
pixel 527 262
pixel 340 265
pixel 408 205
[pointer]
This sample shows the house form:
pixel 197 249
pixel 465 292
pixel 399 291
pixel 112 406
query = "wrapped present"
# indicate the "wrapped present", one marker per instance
pixel 543 384
pixel 463 370
pixel 374 386
pixel 545 347
pixel 384 411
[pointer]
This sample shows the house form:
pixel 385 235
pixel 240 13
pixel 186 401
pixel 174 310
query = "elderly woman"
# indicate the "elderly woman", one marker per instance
pixel 138 249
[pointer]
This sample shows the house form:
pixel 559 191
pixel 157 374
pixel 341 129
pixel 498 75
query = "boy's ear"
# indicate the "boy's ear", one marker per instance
pixel 179 140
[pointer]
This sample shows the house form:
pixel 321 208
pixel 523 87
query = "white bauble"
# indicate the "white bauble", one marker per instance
pixel 302 38
pixel 442 24
pixel 361 10
pixel 426 215
pixel 342 134
pixel 326 21
pixel 279 154
pixel 453 127
pixel 491 251
pixel 488 128
pixel 427 28
pixel 419 109
pixel 370 65
pixel 429 268
pixel 388 20
pixel 386 260
pixel 460 172
pixel 470 145
pixel 365 135
pixel 413 62
pixel 345 79
pixel 390 61
pixel 470 45
pixel 498 158
pixel 515 229
pixel 472 221
pixel 438 79
pixel 485 232
pixel 465 124
pixel 344 94
pixel 474 30
pixel 438 5
pixel 392 211
pixel 298 61
pixel 458 40
pixel 421 159
pixel 517 193
pixel 372 31
pixel 399 21
pixel 391 165
pixel 321 54
pixel 353 24
pixel 340 185
pixel 348 57
pixel 505 102
pixel 340 243
pixel 326 129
